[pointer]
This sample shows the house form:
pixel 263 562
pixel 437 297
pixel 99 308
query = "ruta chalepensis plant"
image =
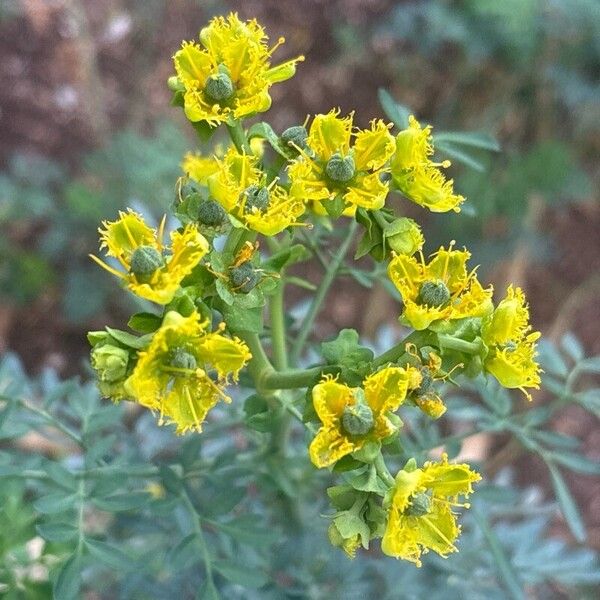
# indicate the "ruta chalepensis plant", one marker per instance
pixel 217 268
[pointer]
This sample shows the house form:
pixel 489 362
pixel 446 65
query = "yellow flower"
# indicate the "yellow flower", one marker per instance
pixel 417 176
pixel 183 372
pixel 228 75
pixel 149 272
pixel 420 516
pixel 352 416
pixel 199 168
pixel 511 343
pixel 240 187
pixel 440 289
pixel 343 164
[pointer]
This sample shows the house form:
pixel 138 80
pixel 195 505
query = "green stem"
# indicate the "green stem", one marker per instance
pixel 419 338
pixel 197 526
pixel 233 241
pixel 292 379
pixel 238 137
pixel 452 343
pixel 278 334
pixel 259 366
pixel 383 471
pixel 328 278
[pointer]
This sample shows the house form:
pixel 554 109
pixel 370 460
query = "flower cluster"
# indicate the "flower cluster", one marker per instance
pixel 240 211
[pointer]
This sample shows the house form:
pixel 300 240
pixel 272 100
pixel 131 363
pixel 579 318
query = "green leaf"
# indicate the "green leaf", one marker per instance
pixel 67 584
pixel 111 556
pixel 345 349
pixel 144 322
pixel 590 400
pixel 590 365
pixel 571 345
pixel 237 319
pixel 122 501
pixel 567 504
pixel 249 529
pixel 57 532
pixel 349 525
pixel 475 139
pixel 60 475
pixel 368 481
pixel 347 463
pixel 335 207
pixel 397 113
pixel 202 128
pixel 287 257
pixel 461 156
pixel 54 503
pixel 224 292
pixel 185 554
pixel 208 591
pixel 170 479
pixel 265 131
pixel 576 462
pixel 248 577
pixel 129 340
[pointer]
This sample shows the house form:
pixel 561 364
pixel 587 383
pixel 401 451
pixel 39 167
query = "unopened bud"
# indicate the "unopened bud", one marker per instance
pixel 404 236
pixel 110 362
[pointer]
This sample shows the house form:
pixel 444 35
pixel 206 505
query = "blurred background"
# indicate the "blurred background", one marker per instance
pixel 86 129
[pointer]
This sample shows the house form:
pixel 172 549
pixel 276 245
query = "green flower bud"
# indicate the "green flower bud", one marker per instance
pixel 296 135
pixel 434 293
pixel 182 359
pixel 358 418
pixel 219 87
pixel 110 362
pixel 244 277
pixel 211 213
pixel 404 236
pixel 256 197
pixel 420 505
pixel 174 84
pixel 340 168
pixel 145 260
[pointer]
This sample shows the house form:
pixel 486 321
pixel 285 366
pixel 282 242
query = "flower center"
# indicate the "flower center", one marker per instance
pixel 434 293
pixel 219 86
pixel 256 197
pixel 340 168
pixel 182 359
pixel 357 419
pixel 145 260
pixel 420 505
pixel 211 213
pixel 244 277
